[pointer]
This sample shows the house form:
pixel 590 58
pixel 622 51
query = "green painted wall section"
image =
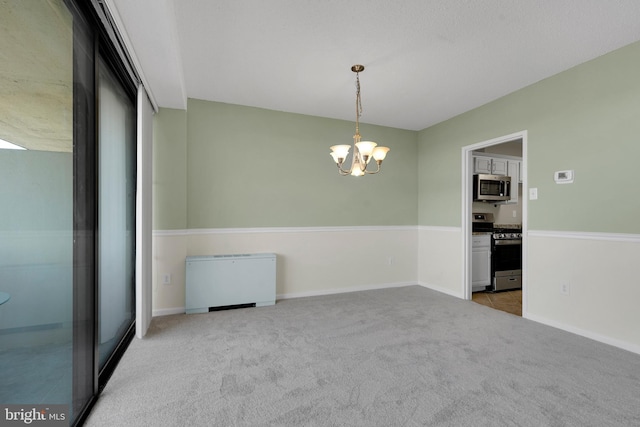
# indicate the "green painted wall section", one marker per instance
pixel 170 170
pixel 224 166
pixel 251 167
pixel 586 119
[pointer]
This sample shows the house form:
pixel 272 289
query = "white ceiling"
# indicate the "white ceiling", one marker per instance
pixel 426 60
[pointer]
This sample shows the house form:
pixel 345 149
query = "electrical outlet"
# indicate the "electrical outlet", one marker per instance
pixel 565 289
pixel 166 279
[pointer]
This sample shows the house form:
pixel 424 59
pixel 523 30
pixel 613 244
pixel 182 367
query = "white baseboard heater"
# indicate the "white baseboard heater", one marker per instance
pixel 227 280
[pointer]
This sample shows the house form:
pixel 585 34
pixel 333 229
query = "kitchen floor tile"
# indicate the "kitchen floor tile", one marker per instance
pixel 507 301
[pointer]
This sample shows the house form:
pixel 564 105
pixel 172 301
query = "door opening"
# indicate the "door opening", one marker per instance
pixel 506 155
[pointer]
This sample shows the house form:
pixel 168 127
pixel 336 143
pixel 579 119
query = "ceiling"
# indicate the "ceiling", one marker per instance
pixel 426 60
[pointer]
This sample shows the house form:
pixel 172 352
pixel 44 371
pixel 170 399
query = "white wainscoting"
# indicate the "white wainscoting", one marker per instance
pixel 311 260
pixel 602 272
pixel 439 259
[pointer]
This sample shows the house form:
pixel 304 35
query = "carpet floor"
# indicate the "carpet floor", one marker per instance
pixel 393 357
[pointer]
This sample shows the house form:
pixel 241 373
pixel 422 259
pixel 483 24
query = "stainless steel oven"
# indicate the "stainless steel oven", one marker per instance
pixel 506 258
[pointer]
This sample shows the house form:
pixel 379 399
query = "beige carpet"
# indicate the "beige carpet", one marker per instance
pixel 394 357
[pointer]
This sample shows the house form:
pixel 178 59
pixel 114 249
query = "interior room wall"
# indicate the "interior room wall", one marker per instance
pixel 251 167
pixel 170 169
pixel 584 119
pixel 236 179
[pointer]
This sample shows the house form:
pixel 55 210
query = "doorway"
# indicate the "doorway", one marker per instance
pixel 513 147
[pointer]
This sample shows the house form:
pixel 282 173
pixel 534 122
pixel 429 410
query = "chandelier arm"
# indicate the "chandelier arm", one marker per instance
pixel 342 171
pixel 372 172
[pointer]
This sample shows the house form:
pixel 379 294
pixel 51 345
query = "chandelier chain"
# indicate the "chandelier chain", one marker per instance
pixel 358 103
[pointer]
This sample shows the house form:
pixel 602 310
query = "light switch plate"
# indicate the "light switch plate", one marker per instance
pixel 533 194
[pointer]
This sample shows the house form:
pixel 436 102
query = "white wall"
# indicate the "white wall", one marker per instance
pixel 602 272
pixel 439 263
pixel 311 261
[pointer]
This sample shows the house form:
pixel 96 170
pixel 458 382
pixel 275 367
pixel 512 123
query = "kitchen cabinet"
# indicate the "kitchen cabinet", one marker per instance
pixel 513 170
pixel 490 165
pixel 480 261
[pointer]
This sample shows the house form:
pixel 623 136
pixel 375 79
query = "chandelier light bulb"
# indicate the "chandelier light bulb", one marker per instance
pixel 341 151
pixel 366 147
pixel 379 153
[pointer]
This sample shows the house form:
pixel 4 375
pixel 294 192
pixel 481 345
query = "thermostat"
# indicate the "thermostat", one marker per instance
pixel 563 177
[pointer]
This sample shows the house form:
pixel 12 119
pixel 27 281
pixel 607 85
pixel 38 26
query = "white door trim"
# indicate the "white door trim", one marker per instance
pixel 467 187
pixel 144 214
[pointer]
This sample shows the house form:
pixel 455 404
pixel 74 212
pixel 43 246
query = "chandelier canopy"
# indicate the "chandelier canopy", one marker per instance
pixel 363 151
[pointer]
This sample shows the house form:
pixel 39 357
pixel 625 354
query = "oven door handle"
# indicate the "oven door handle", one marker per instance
pixel 507 242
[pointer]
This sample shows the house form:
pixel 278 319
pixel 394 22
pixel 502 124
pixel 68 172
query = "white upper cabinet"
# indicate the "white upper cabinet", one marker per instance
pixel 482 165
pixel 499 167
pixel 490 165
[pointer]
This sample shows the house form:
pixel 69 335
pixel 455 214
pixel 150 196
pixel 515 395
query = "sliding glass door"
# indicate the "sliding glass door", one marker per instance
pixel 36 203
pixel 116 218
pixel 67 207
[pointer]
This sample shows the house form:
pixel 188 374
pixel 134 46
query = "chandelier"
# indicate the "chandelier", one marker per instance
pixel 363 151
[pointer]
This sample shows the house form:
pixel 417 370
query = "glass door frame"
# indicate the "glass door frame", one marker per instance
pixel 92 42
pixel 107 56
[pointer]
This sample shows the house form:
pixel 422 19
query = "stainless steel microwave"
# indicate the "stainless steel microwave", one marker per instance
pixel 491 188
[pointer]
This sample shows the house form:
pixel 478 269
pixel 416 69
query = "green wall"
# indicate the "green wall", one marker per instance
pixel 586 119
pixel 170 170
pixel 219 165
pixel 251 167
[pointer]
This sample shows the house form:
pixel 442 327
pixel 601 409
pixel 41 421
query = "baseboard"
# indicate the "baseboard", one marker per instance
pixel 584 333
pixel 168 311
pixel 181 310
pixel 441 289
pixel 253 230
pixel 343 290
